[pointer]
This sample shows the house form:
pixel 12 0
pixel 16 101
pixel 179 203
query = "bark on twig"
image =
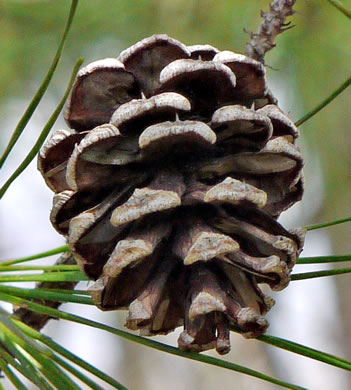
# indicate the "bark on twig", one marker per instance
pixel 274 23
pixel 37 320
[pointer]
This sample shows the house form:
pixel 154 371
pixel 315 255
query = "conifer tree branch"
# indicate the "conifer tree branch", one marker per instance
pixel 273 23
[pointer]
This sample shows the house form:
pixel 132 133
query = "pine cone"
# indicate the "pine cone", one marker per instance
pixel 169 188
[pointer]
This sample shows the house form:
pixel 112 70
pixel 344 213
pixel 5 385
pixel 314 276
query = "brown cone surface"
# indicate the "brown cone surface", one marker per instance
pixel 169 186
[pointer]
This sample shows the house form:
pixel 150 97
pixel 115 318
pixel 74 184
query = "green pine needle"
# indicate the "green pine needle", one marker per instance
pixel 33 152
pixel 340 6
pixel 319 274
pixel 24 366
pixel 65 276
pixel 47 295
pixel 40 255
pixel 11 376
pixel 323 259
pixel 70 356
pixel 324 103
pixel 42 89
pixel 327 224
pixel 41 357
pixel 303 350
pixel 306 351
pixel 58 267
pixel 147 342
pixel 82 377
pixel 33 354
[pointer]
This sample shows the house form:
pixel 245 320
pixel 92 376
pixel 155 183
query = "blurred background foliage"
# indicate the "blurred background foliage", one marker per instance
pixel 310 61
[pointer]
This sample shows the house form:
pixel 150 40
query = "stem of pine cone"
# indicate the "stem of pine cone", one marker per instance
pixel 37 320
pixel 274 23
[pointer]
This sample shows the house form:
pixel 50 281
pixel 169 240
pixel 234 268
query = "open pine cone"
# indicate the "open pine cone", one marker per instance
pixel 169 187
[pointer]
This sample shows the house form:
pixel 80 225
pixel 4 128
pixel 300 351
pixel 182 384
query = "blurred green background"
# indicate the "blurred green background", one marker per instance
pixel 310 61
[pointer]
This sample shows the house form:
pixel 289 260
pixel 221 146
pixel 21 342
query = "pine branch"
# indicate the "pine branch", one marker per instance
pixel 274 23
